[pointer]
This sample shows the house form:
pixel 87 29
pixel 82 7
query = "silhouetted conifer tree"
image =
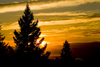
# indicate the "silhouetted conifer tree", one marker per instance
pixel 3 46
pixel 26 38
pixel 66 52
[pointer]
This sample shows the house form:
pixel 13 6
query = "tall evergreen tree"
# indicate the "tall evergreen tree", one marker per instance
pixel 66 52
pixel 26 38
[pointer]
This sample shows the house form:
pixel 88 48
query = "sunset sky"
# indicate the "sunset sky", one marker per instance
pixel 77 21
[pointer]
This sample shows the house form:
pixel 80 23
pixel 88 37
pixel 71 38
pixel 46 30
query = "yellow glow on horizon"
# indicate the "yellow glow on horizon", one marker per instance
pixel 42 44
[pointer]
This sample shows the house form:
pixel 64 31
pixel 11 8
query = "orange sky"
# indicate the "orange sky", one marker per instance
pixel 77 21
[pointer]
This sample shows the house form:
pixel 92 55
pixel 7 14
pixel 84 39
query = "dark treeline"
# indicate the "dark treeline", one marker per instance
pixel 28 51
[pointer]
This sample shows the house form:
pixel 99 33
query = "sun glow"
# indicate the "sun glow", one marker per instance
pixel 43 44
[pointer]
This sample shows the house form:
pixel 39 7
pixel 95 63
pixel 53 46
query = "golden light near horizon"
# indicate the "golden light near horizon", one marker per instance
pixel 42 44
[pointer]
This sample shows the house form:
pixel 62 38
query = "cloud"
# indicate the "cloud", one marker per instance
pixel 22 1
pixel 94 15
pixel 83 30
pixel 93 32
pixel 46 5
pixel 67 21
pixel 61 13
pixel 11 26
pixel 57 22
pixel 56 30
pixel 60 22
pixel 65 30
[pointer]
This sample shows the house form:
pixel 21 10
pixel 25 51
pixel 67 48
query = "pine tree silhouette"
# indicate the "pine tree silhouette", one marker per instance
pixel 3 46
pixel 26 38
pixel 66 52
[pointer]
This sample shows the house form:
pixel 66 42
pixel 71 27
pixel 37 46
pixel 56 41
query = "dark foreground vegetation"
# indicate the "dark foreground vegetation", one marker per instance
pixel 28 51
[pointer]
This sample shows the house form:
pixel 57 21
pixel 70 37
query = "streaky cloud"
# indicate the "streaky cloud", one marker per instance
pixel 61 13
pixel 94 15
pixel 45 5
pixel 11 26
pixel 18 1
pixel 60 22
